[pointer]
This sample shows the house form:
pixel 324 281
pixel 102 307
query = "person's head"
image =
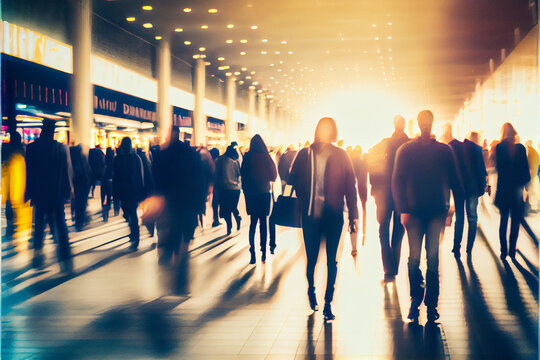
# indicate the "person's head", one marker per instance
pixel 125 146
pixel 257 145
pixel 15 138
pixel 109 153
pixel 231 152
pixel 399 123
pixel 528 143
pixel 326 130
pixel 214 152
pixel 447 129
pixel 474 137
pixel 357 151
pixel 425 122
pixel 47 129
pixel 508 132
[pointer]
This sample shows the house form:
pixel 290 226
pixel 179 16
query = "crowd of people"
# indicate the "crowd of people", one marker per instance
pixel 417 184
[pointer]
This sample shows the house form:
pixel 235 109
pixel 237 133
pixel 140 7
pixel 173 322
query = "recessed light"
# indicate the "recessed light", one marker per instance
pixel 376 38
pixel 187 10
pixel 228 74
pixel 254 27
pixel 389 38
pixel 204 27
pixel 277 52
pixel 328 51
pixel 390 50
pixel 373 25
pixel 230 26
pixel 255 83
pixel 130 19
pixel 212 11
pixel 264 40
pixel 271 64
pixel 229 41
pixel 147 7
pixel 242 53
pixel 237 73
pixel 221 58
pixel 252 73
pixel 389 23
pixel 226 67
pixel 202 49
pixel 284 42
pixel 290 52
pixel 248 77
pixel 243 41
pixel 187 42
pixel 158 37
pixel 196 56
pixel 148 25
pixel 244 69
pixel 263 52
pixel 178 30
pixel 241 82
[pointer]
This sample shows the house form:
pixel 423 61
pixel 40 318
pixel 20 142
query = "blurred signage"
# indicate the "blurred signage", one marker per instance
pixel 240 127
pixel 32 46
pixel 182 117
pixel 214 124
pixel 113 103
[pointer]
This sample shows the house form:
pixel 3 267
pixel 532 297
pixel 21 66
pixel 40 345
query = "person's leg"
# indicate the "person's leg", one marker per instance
pixel 272 227
pixel 364 216
pixel 215 208
pixel 459 203
pixel 39 235
pixel 397 238
pixel 516 214
pixel 235 198
pixel 263 233
pixel 415 233
pixel 57 220
pixel 472 220
pixel 384 215
pixel 130 213
pixel 333 226
pixel 433 229
pixel 10 221
pixel 503 229
pixel 312 242
pixel 252 229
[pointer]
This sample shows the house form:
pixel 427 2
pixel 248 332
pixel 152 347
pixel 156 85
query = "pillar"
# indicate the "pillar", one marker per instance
pixel 199 118
pixel 164 109
pixel 230 125
pixel 81 83
pixel 262 125
pixel 252 111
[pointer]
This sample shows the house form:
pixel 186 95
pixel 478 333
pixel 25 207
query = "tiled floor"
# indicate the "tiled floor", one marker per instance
pixel 121 305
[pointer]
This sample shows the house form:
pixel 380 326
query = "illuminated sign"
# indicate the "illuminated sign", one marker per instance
pixel 214 124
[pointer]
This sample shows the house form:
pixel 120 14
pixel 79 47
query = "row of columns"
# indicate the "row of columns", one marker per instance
pixel 82 91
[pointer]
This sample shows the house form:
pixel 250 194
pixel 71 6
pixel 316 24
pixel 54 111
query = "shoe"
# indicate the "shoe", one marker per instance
pixel 327 313
pixel 38 261
pixel 313 300
pixel 512 256
pixel 229 231
pixel 263 258
pixel 414 313
pixel 216 224
pixel 272 251
pixel 252 261
pixel 503 257
pixel 66 266
pixel 133 247
pixel 432 314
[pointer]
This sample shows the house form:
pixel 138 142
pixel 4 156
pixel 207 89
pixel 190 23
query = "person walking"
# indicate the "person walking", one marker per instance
pixel 208 172
pixel 214 190
pixel 229 185
pixel 380 161
pixel 82 175
pixel 473 176
pixel 148 185
pixel 284 165
pixel 424 173
pixel 323 177
pixel 107 184
pixel 128 186
pixel 48 191
pixel 512 176
pixel 258 171
pixel 96 160
pixel 178 174
pixel 359 164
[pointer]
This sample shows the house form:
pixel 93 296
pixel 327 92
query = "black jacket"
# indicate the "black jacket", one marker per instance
pixel 339 182
pixel 96 159
pixel 82 174
pixel 284 164
pixel 128 178
pixel 471 167
pixel 424 173
pixel 512 173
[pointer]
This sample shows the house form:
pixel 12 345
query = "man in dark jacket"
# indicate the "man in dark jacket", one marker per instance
pixel 284 164
pixel 178 174
pixel 323 177
pixel 424 173
pixel 81 185
pixel 380 166
pixel 48 186
pixel 96 160
pixel 473 175
pixel 128 186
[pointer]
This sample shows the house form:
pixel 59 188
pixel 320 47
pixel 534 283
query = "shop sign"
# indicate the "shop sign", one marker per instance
pixel 113 103
pixel 182 117
pixel 214 124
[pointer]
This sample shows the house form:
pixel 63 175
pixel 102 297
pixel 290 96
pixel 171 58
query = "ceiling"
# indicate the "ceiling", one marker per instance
pixel 430 53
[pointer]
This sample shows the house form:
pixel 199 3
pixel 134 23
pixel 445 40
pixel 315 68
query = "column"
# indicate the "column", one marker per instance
pixel 262 125
pixel 230 125
pixel 252 111
pixel 81 84
pixel 164 109
pixel 199 118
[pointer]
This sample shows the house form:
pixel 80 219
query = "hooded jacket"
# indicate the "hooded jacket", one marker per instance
pixel 258 169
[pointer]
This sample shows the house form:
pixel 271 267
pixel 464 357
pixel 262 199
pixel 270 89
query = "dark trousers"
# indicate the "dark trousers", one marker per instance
pixel 54 216
pixel 11 227
pixel 228 202
pixel 106 198
pixel 79 204
pixel 430 227
pixel 130 214
pixel 515 212
pixel 272 231
pixel 390 246
pixel 174 228
pixel 262 220
pixel 329 225
pixel 215 206
pixel 462 205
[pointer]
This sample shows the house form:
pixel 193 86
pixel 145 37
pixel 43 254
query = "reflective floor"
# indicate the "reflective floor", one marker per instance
pixel 122 305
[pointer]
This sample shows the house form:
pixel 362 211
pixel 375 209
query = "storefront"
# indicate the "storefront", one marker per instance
pixel 215 136
pixel 183 119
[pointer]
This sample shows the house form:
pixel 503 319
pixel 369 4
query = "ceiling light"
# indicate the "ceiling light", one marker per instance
pixel 389 23
pixel 255 83
pixel 148 25
pixel 202 49
pixel 248 77
pixel 187 42
pixel 284 42
pixel 271 64
pixel 242 53
pixel 204 27
pixel 376 38
pixel 390 50
pixel 243 41
pixel 263 52
pixel 158 37
pixel 147 7
pixel 228 74
pixel 203 56
pixel 130 19
pixel 226 67
pixel 237 73
pixel 241 82
pixel 328 51
pixel 290 52
pixel 264 40
pixel 212 11
pixel 254 27
pixel 187 10
pixel 277 52
pixel 252 73
pixel 373 25
pixel 244 69
pixel 389 38
pixel 196 56
pixel 221 58
pixel 230 26
pixel 229 41
pixel 178 30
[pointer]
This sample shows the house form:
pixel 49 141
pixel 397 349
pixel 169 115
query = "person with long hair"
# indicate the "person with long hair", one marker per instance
pixel 322 176
pixel 258 171
pixel 229 186
pixel 512 176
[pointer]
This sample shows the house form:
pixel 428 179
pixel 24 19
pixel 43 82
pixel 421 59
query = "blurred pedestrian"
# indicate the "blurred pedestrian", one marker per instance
pixel 82 177
pixel 107 184
pixel 128 186
pixel 323 177
pixel 424 173
pixel 380 161
pixel 48 191
pixel 533 187
pixel 512 176
pixel 359 163
pixel 208 171
pixel 148 185
pixel 229 185
pixel 258 171
pixel 285 163
pixel 215 193
pixel 96 160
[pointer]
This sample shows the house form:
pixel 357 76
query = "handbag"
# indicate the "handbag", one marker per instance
pixel 286 211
